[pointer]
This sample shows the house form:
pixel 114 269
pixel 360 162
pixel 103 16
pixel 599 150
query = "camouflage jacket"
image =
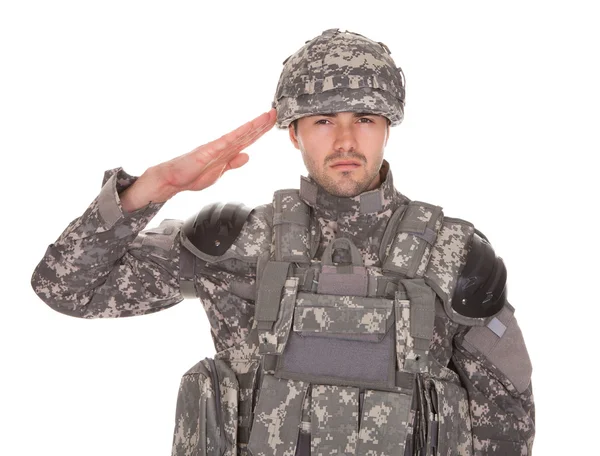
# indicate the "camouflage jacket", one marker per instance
pixel 105 264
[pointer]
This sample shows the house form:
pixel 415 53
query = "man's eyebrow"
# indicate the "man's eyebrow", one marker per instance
pixel 355 114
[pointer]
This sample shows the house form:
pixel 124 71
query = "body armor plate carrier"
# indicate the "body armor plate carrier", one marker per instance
pixel 338 360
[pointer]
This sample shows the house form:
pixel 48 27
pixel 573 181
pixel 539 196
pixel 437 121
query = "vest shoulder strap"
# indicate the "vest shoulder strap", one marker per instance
pixel 448 257
pixel 409 237
pixel 291 227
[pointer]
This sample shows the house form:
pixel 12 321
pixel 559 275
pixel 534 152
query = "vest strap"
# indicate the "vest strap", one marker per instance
pixel 422 319
pixel 187 274
pixel 269 293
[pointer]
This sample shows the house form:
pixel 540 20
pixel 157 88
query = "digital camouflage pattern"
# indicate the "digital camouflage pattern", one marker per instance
pixel 337 72
pixel 334 420
pixel 198 386
pixel 95 269
pixel 277 417
pixel 106 264
pixel 384 423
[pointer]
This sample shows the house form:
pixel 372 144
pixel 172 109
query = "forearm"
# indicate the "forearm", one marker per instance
pixel 94 268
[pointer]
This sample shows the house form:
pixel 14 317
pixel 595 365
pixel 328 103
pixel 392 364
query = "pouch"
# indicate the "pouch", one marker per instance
pixel 340 340
pixel 384 423
pixel 207 411
pixel 277 417
pixel 444 419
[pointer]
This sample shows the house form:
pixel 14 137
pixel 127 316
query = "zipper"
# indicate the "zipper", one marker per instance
pixel 219 417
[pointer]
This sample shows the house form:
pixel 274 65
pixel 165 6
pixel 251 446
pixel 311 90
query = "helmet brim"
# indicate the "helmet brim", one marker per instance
pixel 367 100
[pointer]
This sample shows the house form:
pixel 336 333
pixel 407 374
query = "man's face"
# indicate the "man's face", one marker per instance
pixel 343 152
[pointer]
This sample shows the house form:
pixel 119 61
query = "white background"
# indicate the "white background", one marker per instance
pixel 501 129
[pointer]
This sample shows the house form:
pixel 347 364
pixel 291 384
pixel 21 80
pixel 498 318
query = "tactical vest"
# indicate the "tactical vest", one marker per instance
pixel 338 360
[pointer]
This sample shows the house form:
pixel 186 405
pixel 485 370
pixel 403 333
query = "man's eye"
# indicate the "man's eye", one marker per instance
pixel 366 119
pixel 322 121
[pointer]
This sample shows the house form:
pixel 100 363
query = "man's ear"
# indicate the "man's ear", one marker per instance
pixel 293 136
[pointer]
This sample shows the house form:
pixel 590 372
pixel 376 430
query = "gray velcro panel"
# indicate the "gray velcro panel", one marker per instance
pixel 331 357
pixel 269 292
pixel 298 218
pixel 371 202
pixel 497 327
pixel 350 282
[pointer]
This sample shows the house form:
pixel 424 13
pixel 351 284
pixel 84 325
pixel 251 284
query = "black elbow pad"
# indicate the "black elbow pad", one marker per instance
pixel 215 228
pixel 481 287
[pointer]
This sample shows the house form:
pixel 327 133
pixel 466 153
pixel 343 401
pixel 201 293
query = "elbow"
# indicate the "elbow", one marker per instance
pixel 53 296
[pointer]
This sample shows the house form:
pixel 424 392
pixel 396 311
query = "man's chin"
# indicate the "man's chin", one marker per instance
pixel 345 190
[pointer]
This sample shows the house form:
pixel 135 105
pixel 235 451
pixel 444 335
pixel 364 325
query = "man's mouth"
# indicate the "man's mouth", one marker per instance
pixel 345 165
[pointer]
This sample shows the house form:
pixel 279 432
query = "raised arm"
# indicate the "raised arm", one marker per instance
pixel 104 265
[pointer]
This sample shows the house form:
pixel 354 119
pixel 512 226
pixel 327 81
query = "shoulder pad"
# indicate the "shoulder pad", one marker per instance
pixel 481 287
pixel 215 228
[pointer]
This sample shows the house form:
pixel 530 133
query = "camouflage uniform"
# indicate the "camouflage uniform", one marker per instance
pixel 334 333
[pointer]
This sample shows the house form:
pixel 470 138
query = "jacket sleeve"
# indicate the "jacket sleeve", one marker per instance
pixel 103 265
pixel 494 368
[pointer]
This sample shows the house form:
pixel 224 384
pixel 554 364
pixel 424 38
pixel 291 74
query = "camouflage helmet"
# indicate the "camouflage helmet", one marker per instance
pixel 337 72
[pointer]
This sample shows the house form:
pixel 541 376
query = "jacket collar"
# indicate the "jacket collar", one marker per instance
pixel 374 201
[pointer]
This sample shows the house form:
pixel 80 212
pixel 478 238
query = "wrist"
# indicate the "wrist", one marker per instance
pixel 147 189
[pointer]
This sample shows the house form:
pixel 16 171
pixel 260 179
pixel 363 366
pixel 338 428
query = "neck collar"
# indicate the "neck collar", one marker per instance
pixel 373 201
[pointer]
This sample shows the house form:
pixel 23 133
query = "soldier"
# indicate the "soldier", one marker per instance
pixel 347 318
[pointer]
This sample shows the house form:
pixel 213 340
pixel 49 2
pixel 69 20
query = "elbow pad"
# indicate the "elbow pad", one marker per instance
pixel 215 228
pixel 208 235
pixel 480 291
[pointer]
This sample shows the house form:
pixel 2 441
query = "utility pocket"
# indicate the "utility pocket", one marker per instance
pixel 207 411
pixel 334 420
pixel 384 423
pixel 277 417
pixel 340 339
pixel 445 418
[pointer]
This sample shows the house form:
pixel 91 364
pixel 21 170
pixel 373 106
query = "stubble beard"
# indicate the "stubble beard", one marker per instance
pixel 345 186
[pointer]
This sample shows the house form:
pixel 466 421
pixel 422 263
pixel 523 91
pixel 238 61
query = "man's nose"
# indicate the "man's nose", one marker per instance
pixel 345 139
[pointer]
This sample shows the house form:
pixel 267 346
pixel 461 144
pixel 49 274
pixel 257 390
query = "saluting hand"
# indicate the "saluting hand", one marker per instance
pixel 197 169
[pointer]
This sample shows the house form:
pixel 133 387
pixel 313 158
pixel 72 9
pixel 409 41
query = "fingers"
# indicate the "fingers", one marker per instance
pixel 258 127
pixel 238 161
pixel 243 136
